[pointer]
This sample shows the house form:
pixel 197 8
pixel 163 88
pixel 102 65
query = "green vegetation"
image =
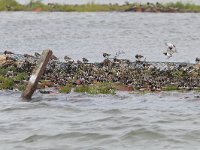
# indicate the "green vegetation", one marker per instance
pixel 184 7
pixel 97 88
pixel 21 87
pixel 81 88
pixel 102 88
pixel 21 76
pixel 10 5
pixel 9 79
pixel 6 83
pixel 65 89
pixel 3 71
pixel 170 88
pixel 178 73
pixel 36 5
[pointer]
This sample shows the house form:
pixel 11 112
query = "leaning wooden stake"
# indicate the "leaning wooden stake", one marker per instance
pixel 36 75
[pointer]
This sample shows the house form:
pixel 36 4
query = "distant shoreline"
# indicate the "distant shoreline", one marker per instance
pixel 36 6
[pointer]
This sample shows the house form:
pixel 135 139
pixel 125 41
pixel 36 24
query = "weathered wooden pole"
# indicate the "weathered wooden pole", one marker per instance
pixel 36 75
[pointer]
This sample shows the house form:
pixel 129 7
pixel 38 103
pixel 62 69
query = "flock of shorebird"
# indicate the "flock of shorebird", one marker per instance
pixel 171 49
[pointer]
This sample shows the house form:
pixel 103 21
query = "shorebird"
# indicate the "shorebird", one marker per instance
pixel 53 57
pixel 119 53
pixel 197 60
pixel 150 4
pixel 79 62
pixel 37 55
pixel 138 57
pixel 106 55
pixel 167 54
pixel 85 60
pixel 171 47
pixel 116 60
pixel 7 52
pixel 67 59
pixel 27 55
pixel 158 4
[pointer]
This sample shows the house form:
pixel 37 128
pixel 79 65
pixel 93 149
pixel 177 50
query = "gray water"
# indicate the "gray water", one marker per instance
pixel 90 34
pixel 77 121
pixel 166 120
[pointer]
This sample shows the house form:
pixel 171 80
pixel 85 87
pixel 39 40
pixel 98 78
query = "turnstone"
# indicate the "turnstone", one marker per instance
pixel 7 52
pixel 85 60
pixel 67 59
pixel 197 60
pixel 37 55
pixel 106 55
pixel 138 57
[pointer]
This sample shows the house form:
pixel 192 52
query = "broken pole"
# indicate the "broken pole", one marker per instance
pixel 36 75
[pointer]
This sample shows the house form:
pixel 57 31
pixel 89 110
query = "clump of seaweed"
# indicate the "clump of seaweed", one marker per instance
pixel 20 87
pixel 170 88
pixel 21 76
pixel 6 83
pixel 96 88
pixel 101 88
pixel 65 89
pixel 82 88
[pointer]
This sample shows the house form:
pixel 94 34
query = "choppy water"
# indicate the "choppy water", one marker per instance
pixel 78 121
pixel 90 34
pixel 124 121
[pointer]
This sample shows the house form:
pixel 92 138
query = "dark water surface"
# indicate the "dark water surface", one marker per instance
pixel 103 122
pixel 78 121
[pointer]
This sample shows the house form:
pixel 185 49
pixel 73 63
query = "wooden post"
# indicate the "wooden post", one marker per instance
pixel 36 75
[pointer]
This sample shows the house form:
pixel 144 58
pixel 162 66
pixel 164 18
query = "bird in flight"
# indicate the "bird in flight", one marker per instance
pixel 168 54
pixel 171 49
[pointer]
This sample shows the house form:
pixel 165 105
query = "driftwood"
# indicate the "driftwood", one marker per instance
pixel 36 75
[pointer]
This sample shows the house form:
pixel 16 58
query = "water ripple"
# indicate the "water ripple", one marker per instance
pixel 165 120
